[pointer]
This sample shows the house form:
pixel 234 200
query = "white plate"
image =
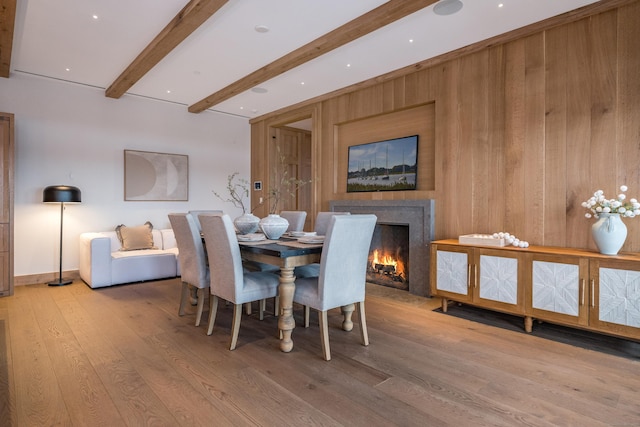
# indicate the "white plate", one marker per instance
pixel 302 233
pixel 311 239
pixel 253 237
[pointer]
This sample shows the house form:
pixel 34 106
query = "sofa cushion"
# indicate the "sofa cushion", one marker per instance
pixel 135 238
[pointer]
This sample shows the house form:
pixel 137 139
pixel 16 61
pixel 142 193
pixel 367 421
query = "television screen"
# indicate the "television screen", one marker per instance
pixel 389 165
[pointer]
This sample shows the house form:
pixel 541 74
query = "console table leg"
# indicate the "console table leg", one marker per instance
pixel 528 324
pixel 445 305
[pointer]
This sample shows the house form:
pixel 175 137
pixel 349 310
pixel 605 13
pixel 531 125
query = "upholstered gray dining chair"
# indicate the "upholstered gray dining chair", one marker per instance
pixel 195 214
pixel 312 270
pixel 342 278
pixel 322 221
pixel 230 281
pixel 296 219
pixel 192 259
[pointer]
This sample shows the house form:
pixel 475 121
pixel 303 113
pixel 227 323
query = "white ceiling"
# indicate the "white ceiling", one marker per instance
pixel 52 36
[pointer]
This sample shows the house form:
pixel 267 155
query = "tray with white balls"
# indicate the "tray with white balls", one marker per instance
pixel 496 239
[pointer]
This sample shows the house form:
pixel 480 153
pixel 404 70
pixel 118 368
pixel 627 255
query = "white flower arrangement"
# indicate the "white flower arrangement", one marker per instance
pixel 599 204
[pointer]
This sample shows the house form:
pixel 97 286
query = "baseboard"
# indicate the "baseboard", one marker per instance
pixel 32 279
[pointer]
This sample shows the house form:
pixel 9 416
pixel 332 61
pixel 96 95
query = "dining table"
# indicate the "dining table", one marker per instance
pixel 287 254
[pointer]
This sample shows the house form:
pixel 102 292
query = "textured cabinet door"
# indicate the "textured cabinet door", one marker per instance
pixel 450 277
pixel 497 280
pixel 6 204
pixel 615 297
pixel 559 288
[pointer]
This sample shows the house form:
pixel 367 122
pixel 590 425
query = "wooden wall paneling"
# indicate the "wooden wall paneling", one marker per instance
pixel 533 138
pixel 7 152
pixel 628 112
pixel 602 65
pixel 496 175
pixel 484 219
pixel 259 169
pixel 450 198
pixel 515 202
pixel 392 94
pixel 555 162
pixel 581 167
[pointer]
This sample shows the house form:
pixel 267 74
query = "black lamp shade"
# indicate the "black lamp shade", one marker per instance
pixel 61 193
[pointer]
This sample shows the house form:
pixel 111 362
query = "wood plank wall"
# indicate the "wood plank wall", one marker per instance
pixel 524 130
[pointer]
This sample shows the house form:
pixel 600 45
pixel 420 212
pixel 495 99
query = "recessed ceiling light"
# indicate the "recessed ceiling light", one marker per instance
pixel 410 40
pixel 67 69
pixel 301 83
pixel 261 28
pixel 259 90
pixel 447 7
pixel 500 5
pixel 168 91
pixel 348 65
pixel 95 16
pixel 242 108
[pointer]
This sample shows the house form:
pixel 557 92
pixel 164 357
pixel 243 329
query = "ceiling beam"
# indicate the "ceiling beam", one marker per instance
pixel 385 14
pixel 194 14
pixel 7 24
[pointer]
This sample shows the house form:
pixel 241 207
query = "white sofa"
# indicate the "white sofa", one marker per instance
pixel 102 263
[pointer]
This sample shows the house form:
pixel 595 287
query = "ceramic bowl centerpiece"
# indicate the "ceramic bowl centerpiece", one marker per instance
pixel 239 189
pixel 274 226
pixel 609 231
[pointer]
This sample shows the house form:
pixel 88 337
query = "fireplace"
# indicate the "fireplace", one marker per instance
pixel 417 217
pixel 389 256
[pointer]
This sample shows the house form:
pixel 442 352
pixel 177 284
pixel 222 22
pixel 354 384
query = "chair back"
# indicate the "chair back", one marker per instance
pixel 296 219
pixel 322 221
pixel 343 264
pixel 191 255
pixel 195 214
pixel 224 256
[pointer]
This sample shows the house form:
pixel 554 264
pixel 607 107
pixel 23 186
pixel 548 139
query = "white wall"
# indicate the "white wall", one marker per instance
pixel 73 135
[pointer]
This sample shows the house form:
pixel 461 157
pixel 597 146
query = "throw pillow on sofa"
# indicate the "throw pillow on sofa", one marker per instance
pixel 135 238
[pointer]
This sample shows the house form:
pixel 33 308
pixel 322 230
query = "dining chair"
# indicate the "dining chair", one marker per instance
pixel 230 281
pixel 322 221
pixel 342 278
pixel 296 219
pixel 193 260
pixel 313 270
pixel 195 214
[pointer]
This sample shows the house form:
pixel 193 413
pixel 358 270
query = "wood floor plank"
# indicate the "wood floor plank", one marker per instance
pixel 123 356
pixel 39 398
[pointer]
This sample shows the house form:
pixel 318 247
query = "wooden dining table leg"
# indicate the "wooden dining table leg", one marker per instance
pixel 286 322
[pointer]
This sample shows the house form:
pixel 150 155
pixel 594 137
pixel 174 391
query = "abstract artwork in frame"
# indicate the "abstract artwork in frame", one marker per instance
pixel 152 176
pixel 389 165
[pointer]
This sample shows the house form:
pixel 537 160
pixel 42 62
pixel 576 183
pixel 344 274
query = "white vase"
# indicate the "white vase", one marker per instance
pixel 247 223
pixel 273 226
pixel 609 233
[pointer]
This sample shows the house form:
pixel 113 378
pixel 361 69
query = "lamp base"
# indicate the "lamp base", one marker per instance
pixel 60 282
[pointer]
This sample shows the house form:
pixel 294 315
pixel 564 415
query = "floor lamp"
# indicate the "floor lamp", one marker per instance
pixel 61 194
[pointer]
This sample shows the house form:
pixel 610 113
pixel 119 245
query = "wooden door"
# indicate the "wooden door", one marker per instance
pixel 6 204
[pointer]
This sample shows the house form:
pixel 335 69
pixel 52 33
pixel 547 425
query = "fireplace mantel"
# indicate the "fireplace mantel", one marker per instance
pixel 418 215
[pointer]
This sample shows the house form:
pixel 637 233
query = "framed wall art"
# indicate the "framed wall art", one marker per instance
pixel 389 165
pixel 150 176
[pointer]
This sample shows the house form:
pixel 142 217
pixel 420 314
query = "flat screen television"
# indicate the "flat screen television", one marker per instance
pixel 389 165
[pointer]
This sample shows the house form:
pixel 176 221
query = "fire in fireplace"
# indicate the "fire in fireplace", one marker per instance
pixel 389 256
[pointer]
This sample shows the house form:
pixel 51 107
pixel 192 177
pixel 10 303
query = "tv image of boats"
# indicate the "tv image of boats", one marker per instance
pixel 389 165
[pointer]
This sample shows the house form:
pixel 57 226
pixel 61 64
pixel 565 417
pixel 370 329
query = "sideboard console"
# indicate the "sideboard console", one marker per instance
pixel 566 286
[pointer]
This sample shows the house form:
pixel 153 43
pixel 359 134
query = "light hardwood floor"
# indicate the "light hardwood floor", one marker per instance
pixel 122 356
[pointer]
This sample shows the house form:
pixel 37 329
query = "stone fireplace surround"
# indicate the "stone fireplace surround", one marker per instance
pixel 419 215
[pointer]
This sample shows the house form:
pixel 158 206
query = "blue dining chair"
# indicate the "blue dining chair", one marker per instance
pixel 229 280
pixel 193 261
pixel 342 278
